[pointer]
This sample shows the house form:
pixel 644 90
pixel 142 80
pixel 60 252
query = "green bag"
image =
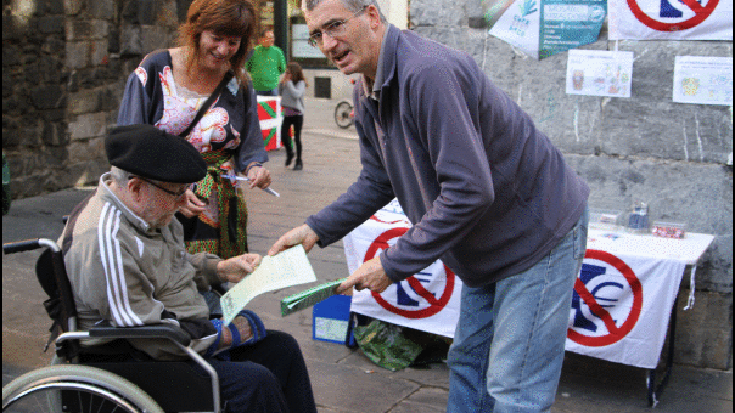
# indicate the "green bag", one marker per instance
pixel 385 345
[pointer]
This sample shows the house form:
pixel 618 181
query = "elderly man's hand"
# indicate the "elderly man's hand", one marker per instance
pixel 235 268
pixel 303 235
pixel 243 327
pixel 370 275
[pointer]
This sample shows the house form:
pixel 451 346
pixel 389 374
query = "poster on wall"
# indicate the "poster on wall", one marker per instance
pixel 703 80
pixel 599 73
pixel 300 46
pixel 545 27
pixel 670 19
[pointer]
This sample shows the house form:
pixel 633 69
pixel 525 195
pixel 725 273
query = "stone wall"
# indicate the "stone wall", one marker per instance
pixel 676 157
pixel 34 127
pixel 65 63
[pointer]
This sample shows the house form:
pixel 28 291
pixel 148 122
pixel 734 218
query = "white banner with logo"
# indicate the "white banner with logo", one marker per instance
pixel 621 307
pixel 670 19
pixel 427 301
pixel 621 304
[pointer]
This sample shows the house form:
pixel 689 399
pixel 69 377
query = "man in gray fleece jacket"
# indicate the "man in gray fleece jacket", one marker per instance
pixel 486 192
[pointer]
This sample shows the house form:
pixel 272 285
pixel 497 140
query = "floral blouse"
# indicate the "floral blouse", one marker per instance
pixel 230 125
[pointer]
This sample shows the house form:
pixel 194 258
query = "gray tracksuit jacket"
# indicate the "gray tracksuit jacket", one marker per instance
pixel 130 274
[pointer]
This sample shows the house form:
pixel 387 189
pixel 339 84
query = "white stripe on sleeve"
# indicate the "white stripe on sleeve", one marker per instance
pixel 112 263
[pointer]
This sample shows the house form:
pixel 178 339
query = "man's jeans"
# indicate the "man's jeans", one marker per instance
pixel 509 343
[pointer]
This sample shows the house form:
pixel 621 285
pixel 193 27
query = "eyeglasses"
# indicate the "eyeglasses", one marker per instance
pixel 177 195
pixel 333 28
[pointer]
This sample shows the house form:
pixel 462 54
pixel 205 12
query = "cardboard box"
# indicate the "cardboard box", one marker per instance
pixel 332 319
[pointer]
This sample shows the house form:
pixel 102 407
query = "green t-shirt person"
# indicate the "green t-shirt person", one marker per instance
pixel 266 65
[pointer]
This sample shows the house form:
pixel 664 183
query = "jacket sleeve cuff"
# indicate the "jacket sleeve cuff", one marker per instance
pixel 390 270
pixel 210 271
pixel 206 268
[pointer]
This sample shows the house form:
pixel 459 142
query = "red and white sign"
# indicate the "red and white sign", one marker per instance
pixel 621 304
pixel 270 116
pixel 621 307
pixel 670 19
pixel 427 301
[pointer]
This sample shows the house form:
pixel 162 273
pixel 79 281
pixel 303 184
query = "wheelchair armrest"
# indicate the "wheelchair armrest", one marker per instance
pixel 166 331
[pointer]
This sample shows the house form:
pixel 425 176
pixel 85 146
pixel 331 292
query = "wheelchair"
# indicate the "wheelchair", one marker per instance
pixel 71 384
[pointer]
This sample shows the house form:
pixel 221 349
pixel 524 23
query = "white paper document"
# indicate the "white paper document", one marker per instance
pixel 290 267
pixel 703 79
pixel 599 73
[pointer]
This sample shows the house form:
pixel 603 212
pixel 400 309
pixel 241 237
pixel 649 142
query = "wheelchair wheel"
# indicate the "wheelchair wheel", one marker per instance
pixel 342 114
pixel 74 388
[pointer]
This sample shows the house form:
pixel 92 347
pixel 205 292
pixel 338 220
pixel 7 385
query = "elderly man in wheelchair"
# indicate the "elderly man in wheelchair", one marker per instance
pixel 145 341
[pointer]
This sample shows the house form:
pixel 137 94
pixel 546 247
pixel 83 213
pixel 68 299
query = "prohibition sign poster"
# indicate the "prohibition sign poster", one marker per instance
pixel 670 19
pixel 427 301
pixel 618 305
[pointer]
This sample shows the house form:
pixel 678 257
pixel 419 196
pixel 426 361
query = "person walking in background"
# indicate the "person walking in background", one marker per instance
pixel 171 86
pixel 292 89
pixel 266 65
pixel 485 189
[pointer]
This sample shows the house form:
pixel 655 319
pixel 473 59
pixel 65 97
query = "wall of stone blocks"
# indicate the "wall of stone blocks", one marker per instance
pixel 35 136
pixel 675 157
pixel 65 63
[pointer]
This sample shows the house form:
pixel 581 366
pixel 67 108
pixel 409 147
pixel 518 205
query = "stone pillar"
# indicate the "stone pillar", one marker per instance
pixel 34 96
pixel 65 63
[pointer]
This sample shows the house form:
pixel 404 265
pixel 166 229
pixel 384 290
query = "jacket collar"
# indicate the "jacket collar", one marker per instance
pixel 107 195
pixel 386 63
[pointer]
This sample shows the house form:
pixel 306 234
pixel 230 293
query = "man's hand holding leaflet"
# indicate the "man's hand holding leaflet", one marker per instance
pixel 290 267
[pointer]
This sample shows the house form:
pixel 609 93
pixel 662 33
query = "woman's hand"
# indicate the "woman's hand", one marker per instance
pixel 259 176
pixel 193 205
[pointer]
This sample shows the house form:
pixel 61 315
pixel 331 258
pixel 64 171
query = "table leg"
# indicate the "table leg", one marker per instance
pixel 656 389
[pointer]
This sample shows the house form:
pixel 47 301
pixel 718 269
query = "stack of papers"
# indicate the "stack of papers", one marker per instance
pixel 290 267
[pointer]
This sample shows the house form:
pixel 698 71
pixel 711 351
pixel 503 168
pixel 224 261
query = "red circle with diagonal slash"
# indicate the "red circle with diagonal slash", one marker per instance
pixel 700 14
pixel 436 305
pixel 615 333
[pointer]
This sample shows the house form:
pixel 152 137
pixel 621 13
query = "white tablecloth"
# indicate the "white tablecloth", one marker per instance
pixel 621 303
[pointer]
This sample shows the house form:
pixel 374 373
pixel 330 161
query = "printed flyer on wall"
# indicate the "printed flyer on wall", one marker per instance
pixel 702 79
pixel 545 27
pixel 599 73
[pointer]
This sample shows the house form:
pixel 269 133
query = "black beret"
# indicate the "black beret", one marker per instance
pixel 154 154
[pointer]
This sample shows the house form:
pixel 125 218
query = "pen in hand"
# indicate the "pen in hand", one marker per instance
pixel 246 179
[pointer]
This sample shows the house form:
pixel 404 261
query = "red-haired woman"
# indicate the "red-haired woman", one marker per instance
pixel 168 89
pixel 262 370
